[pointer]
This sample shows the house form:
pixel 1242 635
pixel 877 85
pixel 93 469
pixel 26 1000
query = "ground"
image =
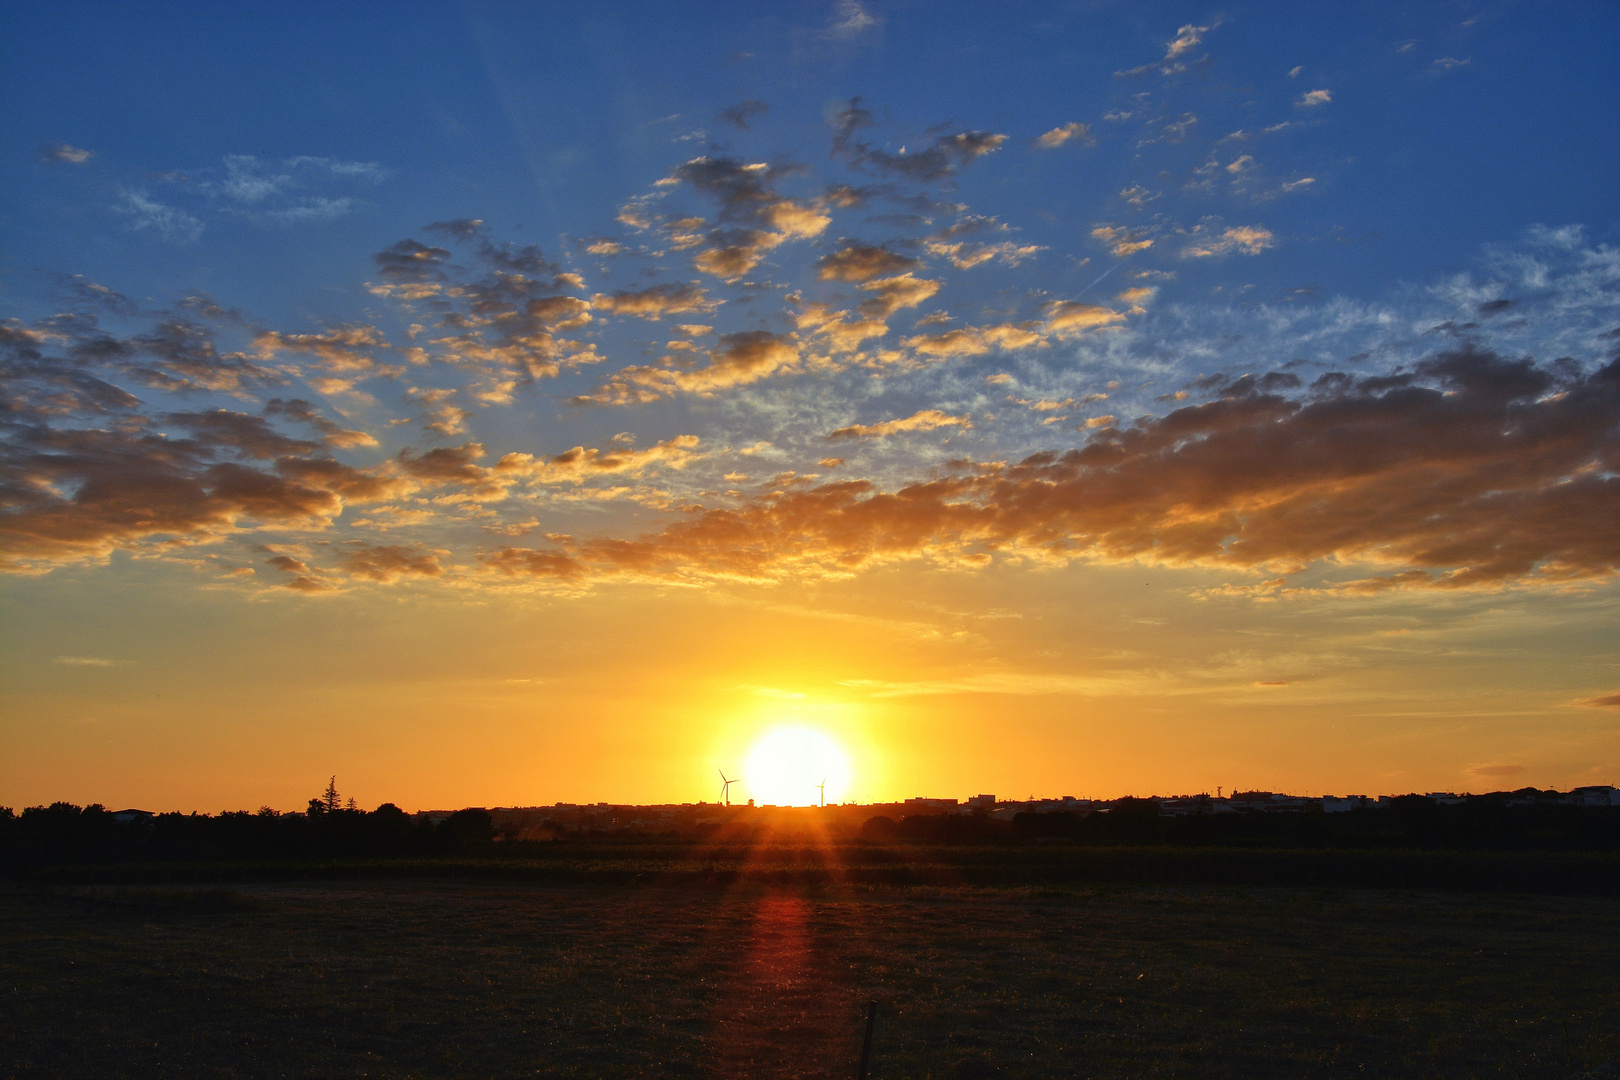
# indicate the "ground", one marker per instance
pixel 434 979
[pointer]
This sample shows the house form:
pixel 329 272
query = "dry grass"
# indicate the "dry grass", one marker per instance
pixel 402 979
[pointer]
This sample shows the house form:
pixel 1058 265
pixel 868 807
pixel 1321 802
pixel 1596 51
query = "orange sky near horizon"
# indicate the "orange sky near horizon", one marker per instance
pixel 1087 681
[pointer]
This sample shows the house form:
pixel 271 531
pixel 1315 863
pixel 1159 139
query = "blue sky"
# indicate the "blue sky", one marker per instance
pixel 322 305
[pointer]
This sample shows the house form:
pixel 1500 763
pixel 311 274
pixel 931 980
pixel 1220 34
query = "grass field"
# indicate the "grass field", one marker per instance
pixel 425 979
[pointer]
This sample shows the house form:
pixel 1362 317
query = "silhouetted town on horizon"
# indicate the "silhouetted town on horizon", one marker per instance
pixel 523 821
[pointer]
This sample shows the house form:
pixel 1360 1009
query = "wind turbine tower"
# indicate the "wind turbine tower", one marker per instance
pixel 822 787
pixel 725 787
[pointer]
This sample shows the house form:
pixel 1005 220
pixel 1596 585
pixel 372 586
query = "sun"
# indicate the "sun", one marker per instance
pixel 787 766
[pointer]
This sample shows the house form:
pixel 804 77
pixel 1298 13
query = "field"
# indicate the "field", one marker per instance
pixel 402 978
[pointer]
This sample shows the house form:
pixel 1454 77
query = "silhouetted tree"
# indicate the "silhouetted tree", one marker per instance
pixel 330 796
pixel 468 824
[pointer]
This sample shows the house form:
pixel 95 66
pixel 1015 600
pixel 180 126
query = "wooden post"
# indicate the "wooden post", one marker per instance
pixel 866 1046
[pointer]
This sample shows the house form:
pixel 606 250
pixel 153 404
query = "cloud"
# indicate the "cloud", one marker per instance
pixel 78 494
pixel 1068 317
pixel 291 189
pixel 1602 701
pixel 63 154
pixel 862 262
pixel 1122 241
pixel 739 359
pixel 1496 771
pixel 85 661
pixel 388 564
pixel 965 256
pixel 411 262
pixel 182 356
pixel 1137 297
pixel 146 213
pixel 1060 135
pixel 891 294
pixel 1137 196
pixel 755 217
pixel 440 414
pixel 343 349
pixel 1247 239
pixel 656 302
pixel 1187 38
pixel 506 323
pixel 744 113
pixel 939 159
pixel 850 19
pixel 1468 470
pixel 923 420
pixel 300 411
pixel 581 463
pixel 974 340
pixel 1315 97
pixel 457 466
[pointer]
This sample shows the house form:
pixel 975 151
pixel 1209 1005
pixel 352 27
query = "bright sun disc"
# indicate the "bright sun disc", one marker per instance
pixel 788 765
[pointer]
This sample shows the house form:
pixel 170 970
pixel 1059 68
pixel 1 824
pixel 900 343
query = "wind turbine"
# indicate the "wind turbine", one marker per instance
pixel 822 787
pixel 725 786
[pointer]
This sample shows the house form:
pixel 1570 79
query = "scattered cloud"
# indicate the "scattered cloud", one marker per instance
pixel 1064 317
pixel 1496 772
pixel 656 302
pixel 850 19
pixel 1187 38
pixel 1245 239
pixel 922 420
pixel 388 563
pixel 744 113
pixel 145 213
pixel 939 158
pixel 861 262
pixel 1471 470
pixel 1122 241
pixel 63 154
pixel 1316 97
pixel 738 359
pixel 1058 136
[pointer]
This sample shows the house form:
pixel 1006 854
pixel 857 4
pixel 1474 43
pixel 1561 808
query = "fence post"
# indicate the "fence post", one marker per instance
pixel 866 1045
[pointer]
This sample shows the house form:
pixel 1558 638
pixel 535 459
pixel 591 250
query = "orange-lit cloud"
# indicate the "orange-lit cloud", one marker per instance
pixel 656 302
pixel 739 359
pixel 1065 133
pixel 1471 470
pixel 861 262
pixel 922 420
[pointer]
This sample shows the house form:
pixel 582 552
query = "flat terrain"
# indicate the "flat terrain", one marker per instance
pixel 432 979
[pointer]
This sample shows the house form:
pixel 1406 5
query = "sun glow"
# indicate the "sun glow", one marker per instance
pixel 787 766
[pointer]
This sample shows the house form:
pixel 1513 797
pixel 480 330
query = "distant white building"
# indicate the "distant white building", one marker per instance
pixel 1334 804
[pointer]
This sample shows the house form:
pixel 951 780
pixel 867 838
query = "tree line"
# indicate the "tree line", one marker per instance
pixel 65 833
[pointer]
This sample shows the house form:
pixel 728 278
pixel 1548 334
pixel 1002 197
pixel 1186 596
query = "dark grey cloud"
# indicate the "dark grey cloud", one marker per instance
pixel 940 157
pixel 744 113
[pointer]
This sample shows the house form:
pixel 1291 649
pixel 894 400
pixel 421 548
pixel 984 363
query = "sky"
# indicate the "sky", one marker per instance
pixel 501 405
